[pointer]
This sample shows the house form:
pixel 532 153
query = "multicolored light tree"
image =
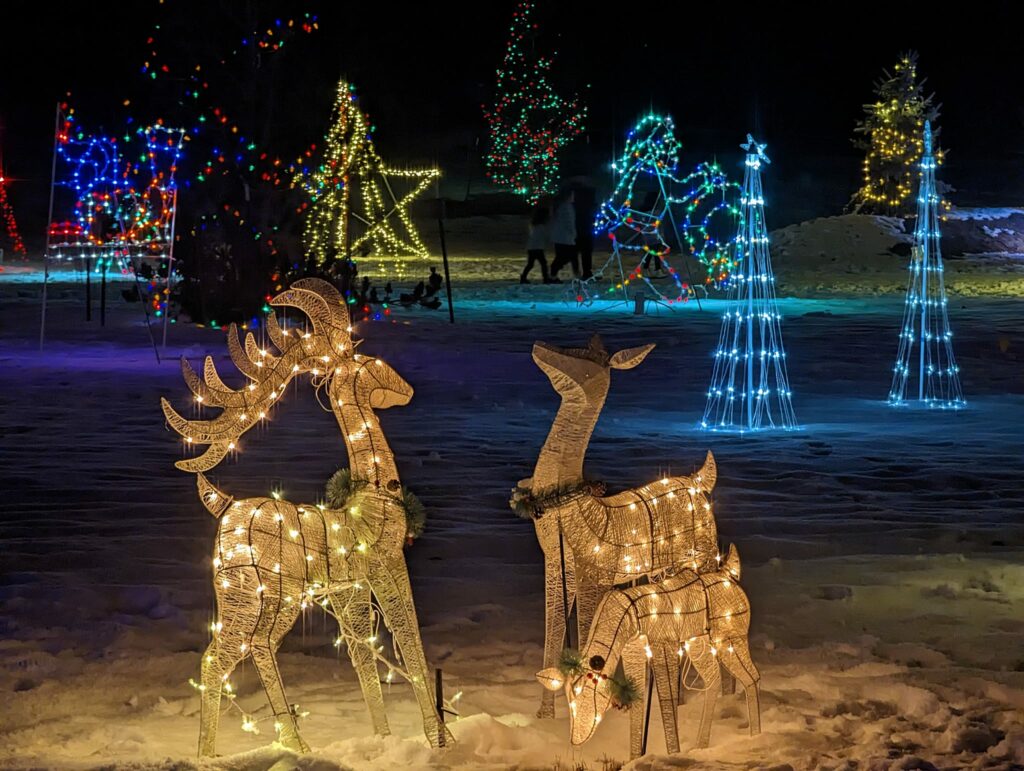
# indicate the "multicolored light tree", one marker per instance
pixel 926 317
pixel 645 200
pixel 749 385
pixel 229 72
pixel 352 200
pixel 530 123
pixel 8 224
pixel 891 136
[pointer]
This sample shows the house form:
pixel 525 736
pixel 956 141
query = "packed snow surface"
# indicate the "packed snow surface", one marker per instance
pixel 882 549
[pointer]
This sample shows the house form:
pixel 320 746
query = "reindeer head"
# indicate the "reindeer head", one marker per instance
pixel 370 381
pixel 576 372
pixel 325 351
pixel 589 691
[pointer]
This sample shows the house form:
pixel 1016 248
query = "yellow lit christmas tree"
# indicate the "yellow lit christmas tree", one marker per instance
pixel 354 209
pixel 891 134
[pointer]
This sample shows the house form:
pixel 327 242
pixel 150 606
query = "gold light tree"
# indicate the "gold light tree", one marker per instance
pixel 590 542
pixel 697 619
pixel 272 558
pixel 892 136
pixel 352 198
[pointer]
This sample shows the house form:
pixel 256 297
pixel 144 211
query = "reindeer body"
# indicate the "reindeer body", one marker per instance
pixel 592 543
pixel 274 558
pixel 702 616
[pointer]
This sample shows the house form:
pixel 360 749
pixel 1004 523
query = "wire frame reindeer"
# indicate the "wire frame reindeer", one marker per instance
pixel 274 558
pixel 591 543
pixel 702 618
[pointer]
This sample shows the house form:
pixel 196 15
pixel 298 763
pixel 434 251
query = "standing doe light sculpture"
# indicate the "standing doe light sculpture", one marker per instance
pixel 591 543
pixel 699 618
pixel 273 558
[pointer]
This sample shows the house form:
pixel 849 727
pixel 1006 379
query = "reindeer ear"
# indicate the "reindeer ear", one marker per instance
pixel 550 678
pixel 628 358
pixel 708 474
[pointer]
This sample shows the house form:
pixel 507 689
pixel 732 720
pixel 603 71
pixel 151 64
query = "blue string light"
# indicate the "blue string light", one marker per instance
pixel 749 385
pixel 925 315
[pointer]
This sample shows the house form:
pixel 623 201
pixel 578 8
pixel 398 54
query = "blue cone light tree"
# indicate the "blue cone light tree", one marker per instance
pixel 926 316
pixel 750 386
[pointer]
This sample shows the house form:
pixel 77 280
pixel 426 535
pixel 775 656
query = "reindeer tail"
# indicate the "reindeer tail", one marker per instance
pixel 215 501
pixel 731 564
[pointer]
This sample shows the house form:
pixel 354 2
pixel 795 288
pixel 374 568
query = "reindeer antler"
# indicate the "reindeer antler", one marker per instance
pixel 269 374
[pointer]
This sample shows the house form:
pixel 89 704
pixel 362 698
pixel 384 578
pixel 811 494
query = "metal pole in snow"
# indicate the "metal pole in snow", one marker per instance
pixel 439 695
pixel 49 225
pixel 170 265
pixel 444 259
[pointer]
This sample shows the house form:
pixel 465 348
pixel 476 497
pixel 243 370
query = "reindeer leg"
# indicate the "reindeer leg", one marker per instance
pixel 275 621
pixel 711 673
pixel 634 665
pixel 554 618
pixel 219 662
pixel 389 582
pixel 588 595
pixel 666 664
pixel 736 659
pixel 353 610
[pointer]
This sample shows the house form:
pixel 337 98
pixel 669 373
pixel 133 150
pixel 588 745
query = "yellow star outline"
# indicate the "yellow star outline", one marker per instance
pixel 373 174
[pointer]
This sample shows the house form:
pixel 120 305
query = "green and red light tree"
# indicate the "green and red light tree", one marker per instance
pixel 530 123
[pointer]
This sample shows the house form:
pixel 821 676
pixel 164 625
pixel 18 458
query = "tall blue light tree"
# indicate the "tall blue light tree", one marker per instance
pixel 750 386
pixel 925 315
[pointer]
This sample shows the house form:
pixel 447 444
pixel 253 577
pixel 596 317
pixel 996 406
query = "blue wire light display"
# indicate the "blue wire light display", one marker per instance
pixel 926 316
pixel 120 204
pixel 644 201
pixel 123 206
pixel 749 385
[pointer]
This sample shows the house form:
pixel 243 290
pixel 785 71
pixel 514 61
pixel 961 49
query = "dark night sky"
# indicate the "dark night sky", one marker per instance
pixel 797 76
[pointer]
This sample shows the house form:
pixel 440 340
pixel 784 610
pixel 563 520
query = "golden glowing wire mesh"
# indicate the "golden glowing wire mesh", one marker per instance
pixel 273 559
pixel 691 619
pixel 592 543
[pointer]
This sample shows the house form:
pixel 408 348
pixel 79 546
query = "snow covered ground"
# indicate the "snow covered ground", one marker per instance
pixel 882 549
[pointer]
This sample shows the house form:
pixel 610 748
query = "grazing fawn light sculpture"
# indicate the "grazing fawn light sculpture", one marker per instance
pixel 591 543
pixel 702 617
pixel 274 558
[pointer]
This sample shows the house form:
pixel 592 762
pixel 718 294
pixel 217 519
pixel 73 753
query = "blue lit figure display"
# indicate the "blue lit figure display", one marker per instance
pixel 749 386
pixel 925 316
pixel 647 196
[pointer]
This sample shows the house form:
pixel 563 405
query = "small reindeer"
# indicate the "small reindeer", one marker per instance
pixel 701 616
pixel 274 558
pixel 592 543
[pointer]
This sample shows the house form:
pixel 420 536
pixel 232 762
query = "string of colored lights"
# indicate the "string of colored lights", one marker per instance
pixel 926 314
pixel 230 150
pixel 350 190
pixel 750 361
pixel 634 215
pixel 530 123
pixel 892 129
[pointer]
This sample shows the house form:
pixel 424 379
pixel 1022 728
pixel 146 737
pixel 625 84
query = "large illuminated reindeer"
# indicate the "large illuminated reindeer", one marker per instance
pixel 273 558
pixel 591 543
pixel 702 618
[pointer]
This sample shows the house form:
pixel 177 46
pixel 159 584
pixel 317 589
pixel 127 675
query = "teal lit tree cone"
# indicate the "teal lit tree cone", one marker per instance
pixel 926 313
pixel 750 385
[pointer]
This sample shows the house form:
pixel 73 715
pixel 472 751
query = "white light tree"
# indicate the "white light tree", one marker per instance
pixel 925 315
pixel 750 386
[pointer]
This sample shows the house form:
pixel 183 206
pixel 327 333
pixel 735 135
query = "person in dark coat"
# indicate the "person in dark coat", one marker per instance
pixel 586 210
